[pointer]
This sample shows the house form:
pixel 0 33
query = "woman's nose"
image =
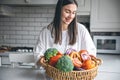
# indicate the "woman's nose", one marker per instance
pixel 71 15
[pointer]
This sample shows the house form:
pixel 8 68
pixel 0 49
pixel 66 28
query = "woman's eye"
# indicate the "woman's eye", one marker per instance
pixel 67 11
pixel 74 12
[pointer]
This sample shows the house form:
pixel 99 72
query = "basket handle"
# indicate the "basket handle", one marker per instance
pixel 42 61
pixel 97 60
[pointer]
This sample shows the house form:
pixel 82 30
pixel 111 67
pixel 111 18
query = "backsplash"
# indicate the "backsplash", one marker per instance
pixel 22 29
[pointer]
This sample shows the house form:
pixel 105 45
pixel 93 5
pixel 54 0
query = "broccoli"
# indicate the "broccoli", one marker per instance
pixel 50 52
pixel 65 64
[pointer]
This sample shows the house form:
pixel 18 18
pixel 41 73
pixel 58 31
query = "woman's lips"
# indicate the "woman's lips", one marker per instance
pixel 68 20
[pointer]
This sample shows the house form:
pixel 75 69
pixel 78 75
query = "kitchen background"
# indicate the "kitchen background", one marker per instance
pixel 21 23
pixel 23 26
pixel 22 29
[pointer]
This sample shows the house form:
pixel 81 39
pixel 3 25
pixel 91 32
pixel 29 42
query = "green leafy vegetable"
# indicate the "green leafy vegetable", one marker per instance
pixel 65 64
pixel 50 52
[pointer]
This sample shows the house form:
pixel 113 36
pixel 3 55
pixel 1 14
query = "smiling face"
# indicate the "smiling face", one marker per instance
pixel 68 14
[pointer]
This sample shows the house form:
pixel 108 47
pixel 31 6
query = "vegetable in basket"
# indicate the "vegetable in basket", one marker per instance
pixel 69 51
pixel 84 55
pixel 88 64
pixel 53 60
pixel 50 52
pixel 65 64
pixel 77 63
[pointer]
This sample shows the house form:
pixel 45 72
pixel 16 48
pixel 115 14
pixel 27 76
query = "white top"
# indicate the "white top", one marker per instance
pixel 84 41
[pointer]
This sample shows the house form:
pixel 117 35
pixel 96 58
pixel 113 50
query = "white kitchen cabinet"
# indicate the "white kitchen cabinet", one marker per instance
pixel 105 16
pixel 5 10
pixel 84 7
pixel 5 60
pixel 0 61
pixel 26 60
pixel 28 2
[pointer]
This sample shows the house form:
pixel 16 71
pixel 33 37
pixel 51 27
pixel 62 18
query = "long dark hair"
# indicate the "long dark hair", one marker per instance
pixel 57 29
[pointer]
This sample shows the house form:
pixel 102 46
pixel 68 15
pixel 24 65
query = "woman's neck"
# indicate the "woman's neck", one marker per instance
pixel 64 27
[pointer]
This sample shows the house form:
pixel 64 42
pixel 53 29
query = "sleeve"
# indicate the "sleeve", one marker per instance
pixel 40 46
pixel 87 42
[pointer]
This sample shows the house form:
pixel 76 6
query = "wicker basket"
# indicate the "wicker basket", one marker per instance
pixel 73 75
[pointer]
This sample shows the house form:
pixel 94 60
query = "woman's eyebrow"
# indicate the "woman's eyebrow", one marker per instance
pixel 70 10
pixel 67 10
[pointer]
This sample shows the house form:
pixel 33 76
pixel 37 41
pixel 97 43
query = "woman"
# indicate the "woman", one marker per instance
pixel 64 32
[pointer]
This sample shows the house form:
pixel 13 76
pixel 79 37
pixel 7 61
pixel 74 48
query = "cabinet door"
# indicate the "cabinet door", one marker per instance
pixel 105 16
pixel 42 2
pixel 0 60
pixel 28 2
pixel 5 61
pixel 83 7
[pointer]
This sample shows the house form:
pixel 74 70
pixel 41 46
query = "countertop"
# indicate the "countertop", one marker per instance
pixel 22 74
pixel 109 70
pixel 6 54
pixel 36 74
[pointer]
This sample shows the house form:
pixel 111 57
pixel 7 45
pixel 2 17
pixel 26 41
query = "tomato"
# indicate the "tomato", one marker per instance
pixel 77 63
pixel 53 60
pixel 88 64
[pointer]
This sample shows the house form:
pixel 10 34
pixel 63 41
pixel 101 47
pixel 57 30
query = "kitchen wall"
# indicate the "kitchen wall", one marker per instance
pixel 22 29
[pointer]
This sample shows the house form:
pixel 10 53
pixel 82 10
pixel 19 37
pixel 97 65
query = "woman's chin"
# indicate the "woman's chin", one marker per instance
pixel 67 23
